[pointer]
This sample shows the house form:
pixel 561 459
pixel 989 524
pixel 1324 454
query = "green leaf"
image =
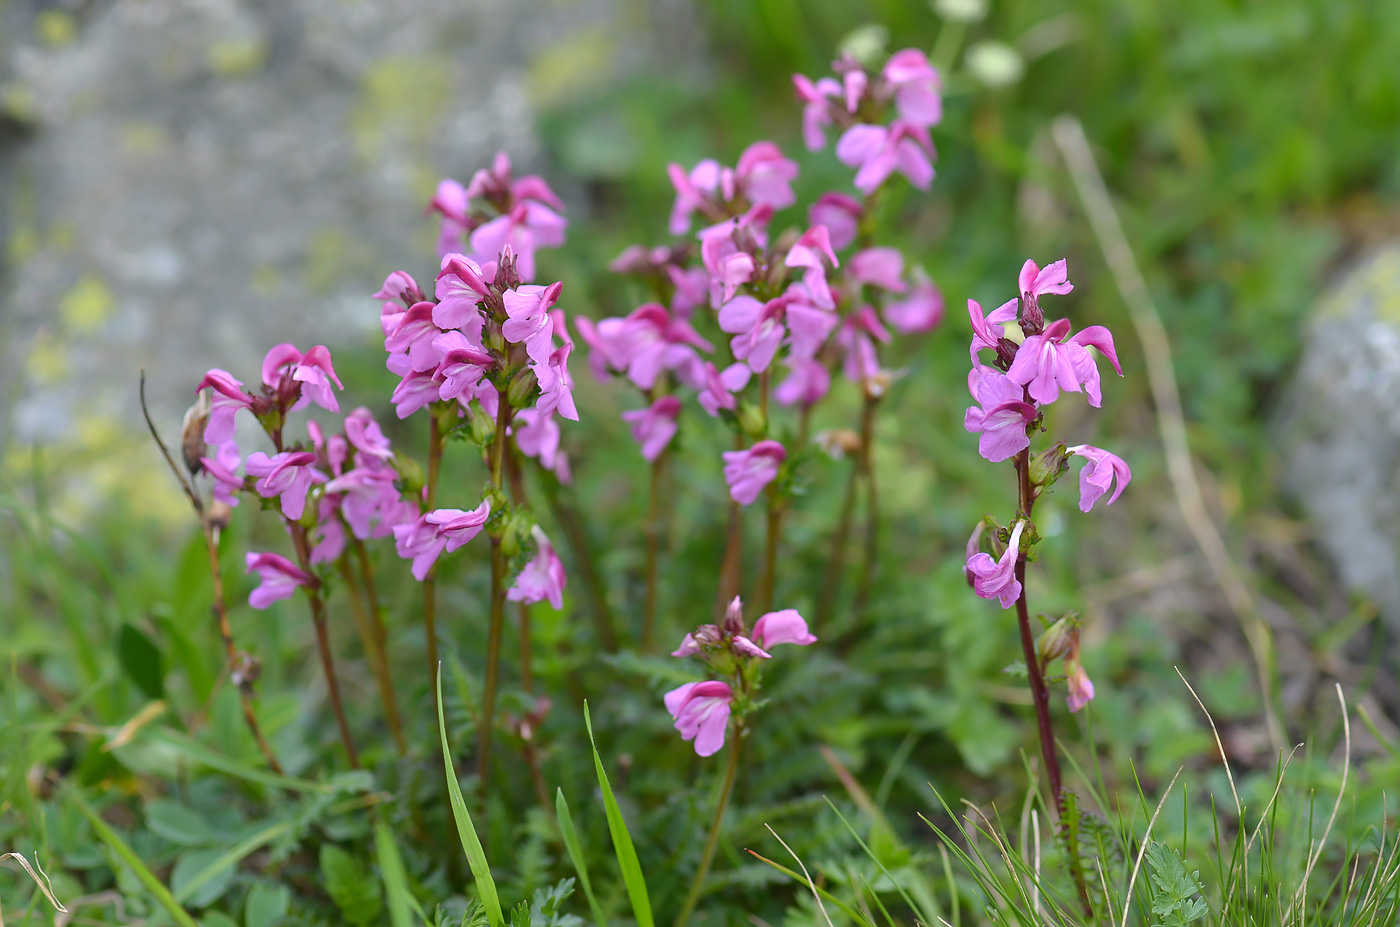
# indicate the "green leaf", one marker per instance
pixel 570 835
pixel 180 824
pixel 356 895
pixel 622 840
pixel 212 872
pixel 395 879
pixel 466 831
pixel 128 856
pixel 267 904
pixel 140 659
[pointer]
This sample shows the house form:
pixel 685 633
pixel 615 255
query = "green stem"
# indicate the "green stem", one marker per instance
pixel 430 581
pixel 373 653
pixel 712 842
pixel 731 567
pixel 870 560
pixel 498 610
pixel 381 640
pixel 323 642
pixel 576 534
pixel 768 578
pixel 653 555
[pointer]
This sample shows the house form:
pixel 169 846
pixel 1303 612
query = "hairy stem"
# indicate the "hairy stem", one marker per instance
pixel 653 556
pixel 373 653
pixel 870 558
pixel 712 842
pixel 576 534
pixel 381 640
pixel 323 643
pixel 498 611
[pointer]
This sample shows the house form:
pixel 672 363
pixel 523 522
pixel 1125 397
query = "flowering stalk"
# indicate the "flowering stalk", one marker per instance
pixel 380 636
pixel 435 442
pixel 653 552
pixel 712 841
pixel 374 653
pixel 242 667
pixel 866 470
pixel 498 607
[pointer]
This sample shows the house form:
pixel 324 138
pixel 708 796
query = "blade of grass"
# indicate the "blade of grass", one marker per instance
pixel 124 852
pixel 566 829
pixel 622 840
pixel 918 911
pixel 401 900
pixel 476 856
pixel 849 911
pixel 199 754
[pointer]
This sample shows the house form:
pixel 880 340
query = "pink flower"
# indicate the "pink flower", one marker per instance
pixel 528 323
pixel 764 177
pixel 807 252
pixel 415 391
pixel 1003 416
pixel 719 389
pixel 693 192
pixel 807 383
pixel 456 527
pixel 882 267
pixel 841 216
pixel 526 226
pixel 495 184
pixel 462 366
pixel 370 503
pixel 749 471
pixel 278 578
pixel 365 436
pixel 854 338
pixel 223 467
pixel 1047 363
pixel 228 398
pixel 996 579
pixel 537 435
pixel 920 311
pixel 701 710
pixel 329 532
pixel 312 370
pixel 452 203
pixel 877 152
pixel 556 386
pixel 420 542
pixel 757 329
pixel 655 426
pixel 1081 688
pixel 1034 283
pixel 461 284
pixel 289 475
pixel 782 627
pixel 542 578
pixel 414 334
pixel 400 290
pixel 650 341
pixel 816 109
pixel 987 331
pixel 916 84
pixel 808 324
pixel 1100 471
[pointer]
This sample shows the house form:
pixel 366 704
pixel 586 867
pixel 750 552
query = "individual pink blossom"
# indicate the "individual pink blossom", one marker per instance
pixel 841 216
pixel 882 267
pixel 1035 282
pixel 878 151
pixel 996 579
pixel 457 527
pixel 808 324
pixel 415 391
pixel 537 435
pixel 1101 470
pixel 692 289
pixel 542 577
pixel 920 311
pixel 1003 416
pixel 421 542
pixel 312 370
pixel 288 475
pixel 701 710
pixel 365 436
pixel 528 225
pixel 757 329
pixel 400 290
pixel 1048 362
pixel 655 426
pixel 528 322
pixel 223 467
pixel 749 471
pixel 727 250
pixel 278 578
pixel 915 84
pixel 414 336
pixel 807 383
pixel 496 184
pixel 764 176
pixel 370 502
pixel 694 190
pixel 462 366
pixel 816 108
pixel 461 284
pixel 650 341
pixel 556 385
pixel 228 398
pixel 453 204
pixel 857 336
pixel 1081 687
pixel 329 533
pixel 639 259
pixel 782 627
pixel 988 330
pixel 807 252
pixel 718 391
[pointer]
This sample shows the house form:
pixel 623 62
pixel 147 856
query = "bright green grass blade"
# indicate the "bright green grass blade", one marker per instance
pixel 391 870
pixel 566 829
pixel 476 856
pixel 201 755
pixel 622 840
pixel 128 856
pixel 916 908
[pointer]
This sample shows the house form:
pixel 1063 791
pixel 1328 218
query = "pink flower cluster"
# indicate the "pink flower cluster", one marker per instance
pixel 702 709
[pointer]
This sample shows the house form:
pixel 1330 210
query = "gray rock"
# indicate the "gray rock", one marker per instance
pixel 184 183
pixel 1341 429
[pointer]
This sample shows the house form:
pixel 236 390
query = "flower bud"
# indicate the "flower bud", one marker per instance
pixel 481 426
pixel 409 472
pixel 219 514
pixel 192 444
pixel 707 636
pixel 877 385
pixel 838 442
pixel 1060 638
pixel 733 622
pixel 752 419
pixel 1049 465
pixel 517 527
pixel 521 392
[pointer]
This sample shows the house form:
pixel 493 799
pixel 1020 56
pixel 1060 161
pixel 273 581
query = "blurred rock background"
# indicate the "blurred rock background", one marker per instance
pixel 184 183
